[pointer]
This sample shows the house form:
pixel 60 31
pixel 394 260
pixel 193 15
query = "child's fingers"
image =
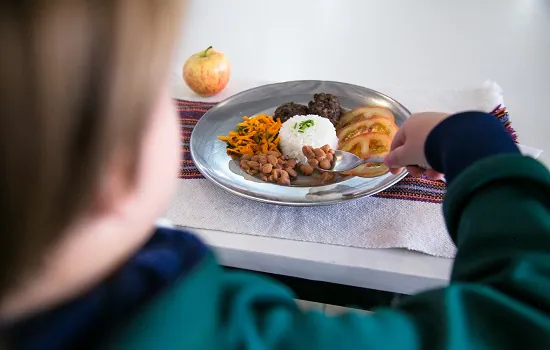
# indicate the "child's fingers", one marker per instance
pixel 398 139
pixel 434 175
pixel 396 171
pixel 397 158
pixel 416 171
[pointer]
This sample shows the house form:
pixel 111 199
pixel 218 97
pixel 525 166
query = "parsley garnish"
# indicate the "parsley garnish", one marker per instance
pixel 304 125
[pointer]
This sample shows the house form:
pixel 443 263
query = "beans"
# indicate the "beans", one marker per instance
pixel 319 153
pixel 306 169
pixel 272 167
pixel 291 172
pixel 325 177
pixel 283 181
pixel 253 164
pixel 308 151
pixel 278 173
pixel 244 165
pixel 291 163
pixel 272 159
pixel 325 164
pixel 313 162
pixel 317 158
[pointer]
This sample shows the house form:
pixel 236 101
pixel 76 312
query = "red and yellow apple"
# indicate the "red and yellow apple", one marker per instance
pixel 207 72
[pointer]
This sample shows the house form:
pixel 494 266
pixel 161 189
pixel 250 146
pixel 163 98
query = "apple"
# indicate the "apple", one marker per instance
pixel 207 72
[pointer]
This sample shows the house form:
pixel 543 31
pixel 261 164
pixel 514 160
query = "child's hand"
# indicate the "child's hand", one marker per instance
pixel 407 149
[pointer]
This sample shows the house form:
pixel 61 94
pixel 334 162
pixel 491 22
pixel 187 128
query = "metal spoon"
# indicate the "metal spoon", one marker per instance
pixel 345 161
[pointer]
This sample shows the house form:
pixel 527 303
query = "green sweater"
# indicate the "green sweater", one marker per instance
pixel 497 212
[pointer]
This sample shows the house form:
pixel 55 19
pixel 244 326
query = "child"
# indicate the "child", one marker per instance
pixel 89 155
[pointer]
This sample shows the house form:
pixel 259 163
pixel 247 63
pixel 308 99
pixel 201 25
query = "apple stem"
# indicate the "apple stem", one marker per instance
pixel 205 51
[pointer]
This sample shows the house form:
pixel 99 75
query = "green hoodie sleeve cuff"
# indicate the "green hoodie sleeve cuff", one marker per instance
pixel 509 168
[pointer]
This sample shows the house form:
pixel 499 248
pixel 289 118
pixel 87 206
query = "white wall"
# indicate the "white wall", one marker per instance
pixel 380 43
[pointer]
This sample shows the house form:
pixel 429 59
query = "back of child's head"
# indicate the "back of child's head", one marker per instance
pixel 78 82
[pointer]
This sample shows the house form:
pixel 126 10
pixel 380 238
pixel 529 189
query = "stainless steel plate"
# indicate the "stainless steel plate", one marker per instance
pixel 210 157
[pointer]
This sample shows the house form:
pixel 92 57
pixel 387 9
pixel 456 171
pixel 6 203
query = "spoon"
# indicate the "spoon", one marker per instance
pixel 345 161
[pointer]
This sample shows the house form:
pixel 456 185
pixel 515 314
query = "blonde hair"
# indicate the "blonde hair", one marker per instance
pixel 78 81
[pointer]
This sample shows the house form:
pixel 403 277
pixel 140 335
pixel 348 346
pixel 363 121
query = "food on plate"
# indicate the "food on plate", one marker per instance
pixel 367 132
pixel 289 110
pixel 371 144
pixel 274 167
pixel 322 157
pixel 365 112
pixel 374 124
pixel 297 141
pixel 257 135
pixel 327 106
pixel 207 72
pixel 368 170
pixel 302 130
pixel 323 104
pixel 271 167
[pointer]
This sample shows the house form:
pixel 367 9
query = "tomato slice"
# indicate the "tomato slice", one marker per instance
pixel 365 112
pixel 372 144
pixel 375 124
pixel 369 170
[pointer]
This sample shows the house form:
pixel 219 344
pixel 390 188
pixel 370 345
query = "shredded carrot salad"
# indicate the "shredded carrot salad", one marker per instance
pixel 257 135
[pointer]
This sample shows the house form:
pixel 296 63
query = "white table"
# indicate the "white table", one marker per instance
pixel 411 44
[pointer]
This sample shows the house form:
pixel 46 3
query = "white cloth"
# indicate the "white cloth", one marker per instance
pixel 366 222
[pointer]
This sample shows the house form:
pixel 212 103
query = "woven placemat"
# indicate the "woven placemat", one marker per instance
pixel 410 188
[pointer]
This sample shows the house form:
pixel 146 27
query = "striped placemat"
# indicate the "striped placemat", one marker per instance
pixel 410 188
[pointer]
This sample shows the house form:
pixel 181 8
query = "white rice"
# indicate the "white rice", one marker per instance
pixel 321 133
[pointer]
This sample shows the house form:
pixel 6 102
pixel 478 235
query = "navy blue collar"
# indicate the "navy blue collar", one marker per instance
pixel 169 255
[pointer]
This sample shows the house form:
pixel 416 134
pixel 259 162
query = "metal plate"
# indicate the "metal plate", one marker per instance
pixel 210 157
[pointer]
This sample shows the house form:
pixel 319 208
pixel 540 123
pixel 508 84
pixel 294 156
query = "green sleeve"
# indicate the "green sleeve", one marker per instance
pixel 261 314
pixel 498 213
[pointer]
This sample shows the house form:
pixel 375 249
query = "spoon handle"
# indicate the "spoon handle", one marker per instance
pixel 373 160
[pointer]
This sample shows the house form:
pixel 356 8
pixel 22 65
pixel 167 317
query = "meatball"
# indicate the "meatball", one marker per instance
pixel 289 110
pixel 326 105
